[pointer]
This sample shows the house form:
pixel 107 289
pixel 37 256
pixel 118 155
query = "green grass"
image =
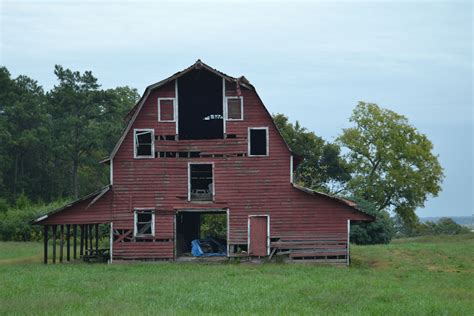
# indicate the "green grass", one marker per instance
pixel 420 276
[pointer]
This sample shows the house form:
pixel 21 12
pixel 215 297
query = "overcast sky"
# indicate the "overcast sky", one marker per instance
pixel 312 61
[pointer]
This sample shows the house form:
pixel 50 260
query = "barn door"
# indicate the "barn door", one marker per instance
pixel 258 235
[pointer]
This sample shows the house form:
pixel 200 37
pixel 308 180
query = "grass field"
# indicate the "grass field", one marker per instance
pixel 420 276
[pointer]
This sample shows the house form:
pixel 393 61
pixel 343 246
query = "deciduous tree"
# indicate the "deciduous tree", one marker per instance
pixel 393 164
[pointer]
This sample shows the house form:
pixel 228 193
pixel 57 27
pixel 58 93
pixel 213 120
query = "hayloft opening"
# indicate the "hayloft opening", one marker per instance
pixel 200 110
pixel 201 234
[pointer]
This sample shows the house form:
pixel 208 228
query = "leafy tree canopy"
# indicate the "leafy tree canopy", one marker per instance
pixel 392 163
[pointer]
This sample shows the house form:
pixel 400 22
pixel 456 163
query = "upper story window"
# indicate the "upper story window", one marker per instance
pixel 144 146
pixel 166 109
pixel 144 223
pixel 258 141
pixel 200 182
pixel 235 108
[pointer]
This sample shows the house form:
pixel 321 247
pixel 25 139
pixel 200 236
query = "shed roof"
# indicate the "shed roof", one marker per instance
pixel 344 201
pixel 94 196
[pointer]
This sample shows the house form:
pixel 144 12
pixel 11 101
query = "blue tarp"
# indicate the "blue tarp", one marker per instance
pixel 197 251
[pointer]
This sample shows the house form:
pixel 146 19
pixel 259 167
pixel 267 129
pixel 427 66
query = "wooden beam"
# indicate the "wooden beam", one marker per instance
pixel 74 245
pixel 96 238
pixel 61 243
pixel 45 233
pixel 86 238
pixel 91 236
pixel 81 248
pixel 68 242
pixel 54 242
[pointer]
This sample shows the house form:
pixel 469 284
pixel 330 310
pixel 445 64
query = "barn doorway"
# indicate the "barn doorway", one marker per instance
pixel 201 233
pixel 259 233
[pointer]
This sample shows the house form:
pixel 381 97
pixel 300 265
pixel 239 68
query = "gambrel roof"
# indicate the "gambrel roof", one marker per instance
pixel 241 81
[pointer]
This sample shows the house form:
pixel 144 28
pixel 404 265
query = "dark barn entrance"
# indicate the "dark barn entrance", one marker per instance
pixel 208 227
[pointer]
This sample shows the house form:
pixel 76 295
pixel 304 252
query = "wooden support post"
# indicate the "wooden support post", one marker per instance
pixel 61 243
pixel 54 243
pixel 86 238
pixel 96 238
pixel 68 242
pixel 91 236
pixel 45 233
pixel 74 244
pixel 81 248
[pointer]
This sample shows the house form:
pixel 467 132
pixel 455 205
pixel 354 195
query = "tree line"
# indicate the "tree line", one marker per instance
pixel 52 141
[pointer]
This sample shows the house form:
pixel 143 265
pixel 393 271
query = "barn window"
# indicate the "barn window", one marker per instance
pixel 200 182
pixel 258 141
pixel 234 108
pixel 144 223
pixel 166 109
pixel 144 143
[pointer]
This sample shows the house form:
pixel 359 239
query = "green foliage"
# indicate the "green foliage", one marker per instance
pixel 380 231
pixel 15 222
pixel 214 225
pixel 51 142
pixel 322 167
pixel 391 161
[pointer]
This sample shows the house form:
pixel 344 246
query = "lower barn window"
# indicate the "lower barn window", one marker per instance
pixel 144 143
pixel 258 141
pixel 144 223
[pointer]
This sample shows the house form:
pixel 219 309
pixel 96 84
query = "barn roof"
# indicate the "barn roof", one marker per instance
pixel 94 196
pixel 132 115
pixel 347 202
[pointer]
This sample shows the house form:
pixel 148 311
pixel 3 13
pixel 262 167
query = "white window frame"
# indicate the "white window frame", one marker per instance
pixel 135 222
pixel 241 108
pixel 174 109
pixel 213 179
pixel 135 139
pixel 248 141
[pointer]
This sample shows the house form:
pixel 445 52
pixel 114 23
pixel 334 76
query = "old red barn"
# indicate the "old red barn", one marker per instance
pixel 198 144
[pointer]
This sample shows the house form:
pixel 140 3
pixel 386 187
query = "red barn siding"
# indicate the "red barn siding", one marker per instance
pixel 243 185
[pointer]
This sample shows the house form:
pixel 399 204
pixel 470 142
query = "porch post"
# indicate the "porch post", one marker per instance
pixel 86 238
pixel 68 242
pixel 61 243
pixel 96 239
pixel 45 233
pixel 91 236
pixel 54 242
pixel 81 248
pixel 74 231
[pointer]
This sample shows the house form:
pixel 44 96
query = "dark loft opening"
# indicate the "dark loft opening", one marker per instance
pixel 200 182
pixel 258 142
pixel 200 105
pixel 210 228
